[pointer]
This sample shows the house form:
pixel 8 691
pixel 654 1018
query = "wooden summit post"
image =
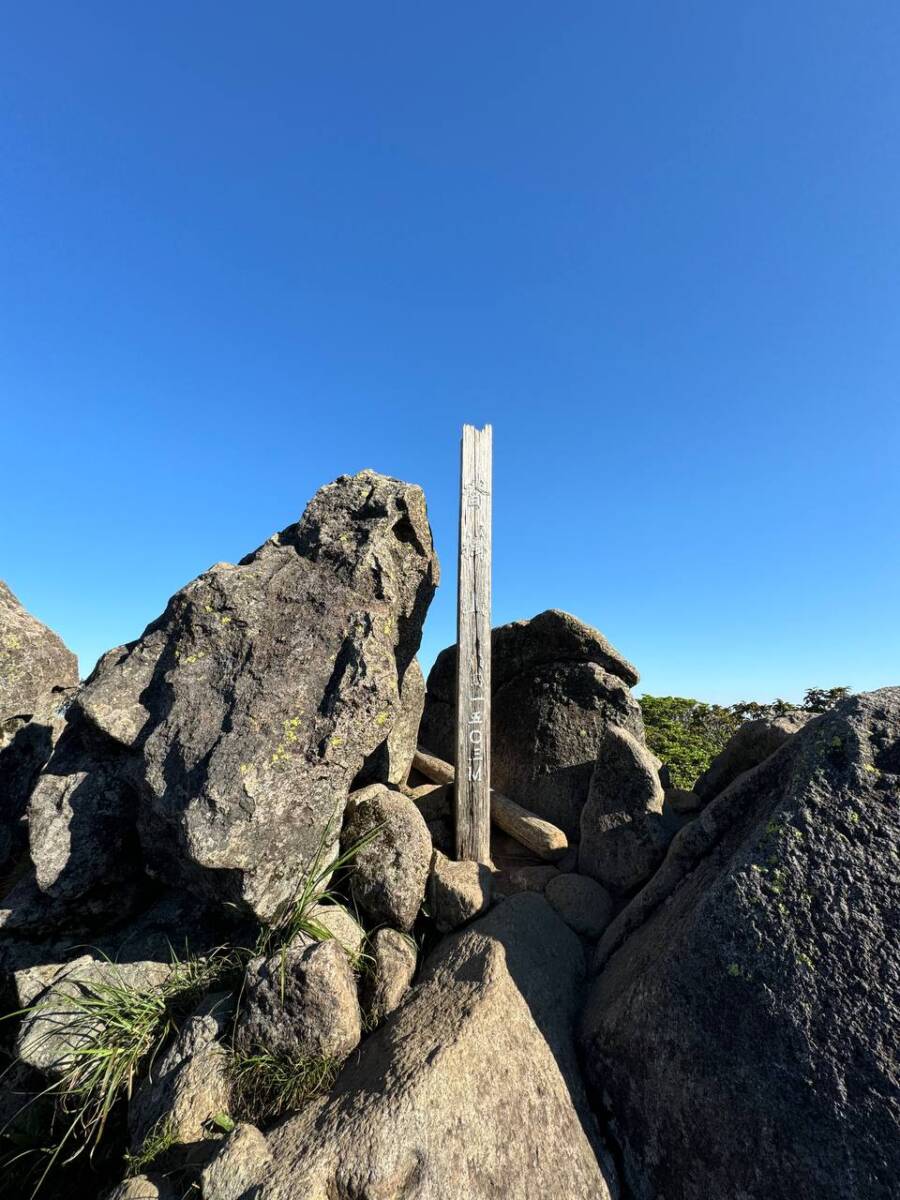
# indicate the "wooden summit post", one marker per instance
pixel 473 649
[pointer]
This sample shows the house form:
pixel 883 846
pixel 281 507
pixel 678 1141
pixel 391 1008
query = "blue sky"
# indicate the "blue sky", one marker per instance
pixel 246 249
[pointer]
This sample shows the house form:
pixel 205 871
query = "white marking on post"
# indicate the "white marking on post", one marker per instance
pixel 473 641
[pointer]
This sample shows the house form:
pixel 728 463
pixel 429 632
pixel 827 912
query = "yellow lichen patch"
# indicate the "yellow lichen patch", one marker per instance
pixel 337 741
pixel 381 718
pixel 280 756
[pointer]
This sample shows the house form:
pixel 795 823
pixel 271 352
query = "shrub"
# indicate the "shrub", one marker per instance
pixel 687 734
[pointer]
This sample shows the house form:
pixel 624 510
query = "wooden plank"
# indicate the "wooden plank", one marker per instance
pixel 540 836
pixel 432 767
pixel 473 641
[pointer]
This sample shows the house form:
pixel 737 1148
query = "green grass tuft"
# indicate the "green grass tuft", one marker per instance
pixel 266 1086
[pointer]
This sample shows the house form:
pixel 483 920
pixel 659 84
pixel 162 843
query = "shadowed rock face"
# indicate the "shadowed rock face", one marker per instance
pixel 24 751
pixel 470 1089
pixel 623 835
pixel 750 745
pixel 37 673
pixel 556 686
pixel 237 722
pixel 742 1033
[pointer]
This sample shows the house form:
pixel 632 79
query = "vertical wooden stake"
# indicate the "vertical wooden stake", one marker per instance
pixel 473 656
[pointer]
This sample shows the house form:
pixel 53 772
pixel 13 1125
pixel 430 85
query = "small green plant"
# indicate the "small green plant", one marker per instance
pixel 223 1122
pixel 116 1031
pixel 160 1139
pixel 317 886
pixel 266 1085
pixel 687 734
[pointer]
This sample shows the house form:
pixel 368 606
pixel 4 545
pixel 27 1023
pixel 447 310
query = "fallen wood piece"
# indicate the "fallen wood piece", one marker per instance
pixel 544 839
pixel 539 836
pixel 432 766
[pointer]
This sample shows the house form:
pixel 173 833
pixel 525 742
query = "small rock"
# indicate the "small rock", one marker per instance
pixel 457 891
pixel 433 800
pixel 623 836
pixel 395 958
pixel 583 904
pixel 682 801
pixel 54 1025
pixel 342 925
pixel 189 1084
pixel 239 1165
pixel 525 877
pixel 390 871
pixel 301 1002
pixel 144 1187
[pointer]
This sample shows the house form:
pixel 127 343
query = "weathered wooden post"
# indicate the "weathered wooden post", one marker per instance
pixel 473 641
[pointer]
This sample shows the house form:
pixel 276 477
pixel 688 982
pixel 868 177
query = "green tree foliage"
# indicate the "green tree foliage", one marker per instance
pixel 687 734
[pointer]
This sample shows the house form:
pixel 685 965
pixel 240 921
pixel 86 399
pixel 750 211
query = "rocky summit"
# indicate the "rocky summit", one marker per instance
pixel 238 960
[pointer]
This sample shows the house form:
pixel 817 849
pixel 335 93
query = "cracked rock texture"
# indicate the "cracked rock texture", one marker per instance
pixel 742 1031
pixel 218 750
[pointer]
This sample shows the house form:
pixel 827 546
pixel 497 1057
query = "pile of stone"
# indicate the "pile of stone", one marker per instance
pixel 645 992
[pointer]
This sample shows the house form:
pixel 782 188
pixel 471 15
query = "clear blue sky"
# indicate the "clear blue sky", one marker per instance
pixel 245 249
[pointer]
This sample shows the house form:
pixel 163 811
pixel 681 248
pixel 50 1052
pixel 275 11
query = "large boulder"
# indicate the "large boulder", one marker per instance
pixel 556 685
pixel 742 1032
pixel 471 1086
pixel 239 719
pixel 33 661
pixel 521 647
pixel 748 746
pixel 623 834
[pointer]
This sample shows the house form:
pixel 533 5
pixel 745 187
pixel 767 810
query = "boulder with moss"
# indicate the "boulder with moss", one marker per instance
pixel 217 751
pixel 741 1033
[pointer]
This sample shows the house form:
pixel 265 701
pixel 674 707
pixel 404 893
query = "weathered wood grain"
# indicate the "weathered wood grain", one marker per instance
pixel 538 835
pixel 473 680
